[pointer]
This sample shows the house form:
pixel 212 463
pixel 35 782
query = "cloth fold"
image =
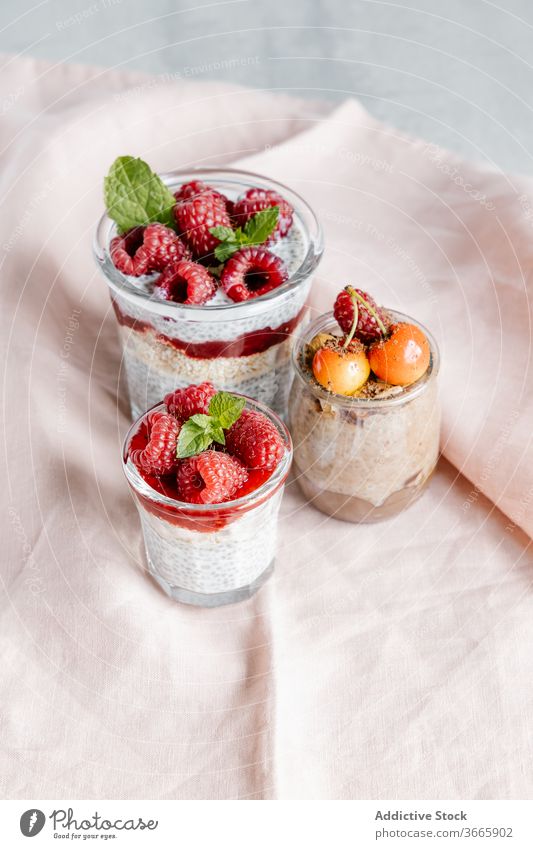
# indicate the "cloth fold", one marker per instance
pixel 386 661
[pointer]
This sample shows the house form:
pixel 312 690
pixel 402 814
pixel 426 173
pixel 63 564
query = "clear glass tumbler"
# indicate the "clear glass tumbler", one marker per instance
pixel 241 347
pixel 363 459
pixel 210 554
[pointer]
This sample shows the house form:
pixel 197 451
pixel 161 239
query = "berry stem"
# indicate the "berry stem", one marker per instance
pixel 357 297
pixel 353 328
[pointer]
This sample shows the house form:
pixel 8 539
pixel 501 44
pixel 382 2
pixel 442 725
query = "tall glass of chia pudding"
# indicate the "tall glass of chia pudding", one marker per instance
pixel 242 346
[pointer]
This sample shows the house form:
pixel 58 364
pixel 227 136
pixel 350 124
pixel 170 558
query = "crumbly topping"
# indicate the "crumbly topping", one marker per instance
pixel 372 389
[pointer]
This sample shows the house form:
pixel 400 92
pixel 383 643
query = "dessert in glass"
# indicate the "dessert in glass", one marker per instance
pixel 207 471
pixel 363 410
pixel 208 272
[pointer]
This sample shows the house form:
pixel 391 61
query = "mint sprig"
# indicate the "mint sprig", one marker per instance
pixel 255 232
pixel 135 195
pixel 198 432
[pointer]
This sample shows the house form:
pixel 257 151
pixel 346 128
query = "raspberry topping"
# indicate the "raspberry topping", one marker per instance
pixel 196 187
pixel 185 282
pixel 256 200
pixel 252 272
pixel 145 249
pixel 196 215
pixel 255 441
pixel 372 321
pixel 210 478
pixel 159 456
pixel 184 403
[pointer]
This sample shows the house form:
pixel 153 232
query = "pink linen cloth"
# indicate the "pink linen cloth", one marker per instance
pixel 381 661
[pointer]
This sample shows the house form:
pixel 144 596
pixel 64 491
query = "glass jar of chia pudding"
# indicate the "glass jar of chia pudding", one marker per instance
pixel 241 347
pixel 210 554
pixel 366 457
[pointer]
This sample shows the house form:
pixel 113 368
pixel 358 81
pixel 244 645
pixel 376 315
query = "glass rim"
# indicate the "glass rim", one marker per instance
pixel 267 489
pixel 352 402
pixel 105 229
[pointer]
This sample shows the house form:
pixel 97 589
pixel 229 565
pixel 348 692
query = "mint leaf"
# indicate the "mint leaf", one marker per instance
pixel 135 196
pixel 201 419
pixel 192 439
pixel 256 231
pixel 225 250
pixel 222 233
pixel 261 225
pixel 198 432
pixel 217 434
pixel 226 408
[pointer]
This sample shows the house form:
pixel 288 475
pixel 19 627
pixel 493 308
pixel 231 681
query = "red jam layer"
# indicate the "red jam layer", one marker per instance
pixel 254 342
pixel 208 520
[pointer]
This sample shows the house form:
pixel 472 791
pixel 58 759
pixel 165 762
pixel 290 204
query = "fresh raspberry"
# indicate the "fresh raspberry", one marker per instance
pixel 252 272
pixel 210 477
pixel 195 188
pixel 162 246
pixel 255 441
pixel 196 216
pixel 185 282
pixel 159 456
pixel 123 252
pixel 145 249
pixel 368 329
pixel 255 200
pixel 184 403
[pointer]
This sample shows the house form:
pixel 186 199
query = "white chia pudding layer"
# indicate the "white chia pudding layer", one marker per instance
pixel 365 453
pixel 214 324
pixel 215 561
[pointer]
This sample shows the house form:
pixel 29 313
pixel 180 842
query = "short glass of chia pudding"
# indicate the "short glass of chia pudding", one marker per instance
pixel 210 554
pixel 241 346
pixel 369 456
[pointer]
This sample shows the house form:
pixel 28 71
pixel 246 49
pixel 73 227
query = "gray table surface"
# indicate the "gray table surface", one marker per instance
pixel 456 72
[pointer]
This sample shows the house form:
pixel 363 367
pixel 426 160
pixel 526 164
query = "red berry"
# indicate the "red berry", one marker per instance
pixel 159 456
pixel 210 477
pixel 123 252
pixel 367 329
pixel 185 283
pixel 196 216
pixel 145 249
pixel 196 187
pixel 255 441
pixel 252 272
pixel 184 403
pixel 255 200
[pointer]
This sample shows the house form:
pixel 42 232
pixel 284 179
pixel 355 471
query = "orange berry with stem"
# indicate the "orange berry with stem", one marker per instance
pixel 402 357
pixel 341 370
